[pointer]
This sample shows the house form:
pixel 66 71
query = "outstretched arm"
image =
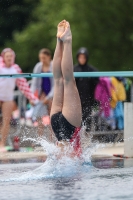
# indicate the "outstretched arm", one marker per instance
pixel 1 61
pixel 24 87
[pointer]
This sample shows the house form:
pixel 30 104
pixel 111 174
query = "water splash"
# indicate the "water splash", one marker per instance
pixel 65 166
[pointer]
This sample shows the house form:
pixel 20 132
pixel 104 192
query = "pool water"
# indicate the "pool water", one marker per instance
pixel 61 181
pixel 66 178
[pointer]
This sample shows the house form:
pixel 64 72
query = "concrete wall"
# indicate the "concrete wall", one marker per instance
pixel 128 129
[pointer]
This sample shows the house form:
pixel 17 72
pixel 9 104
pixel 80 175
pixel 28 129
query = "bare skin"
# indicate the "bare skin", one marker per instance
pixel 66 97
pixel 61 28
pixel 7 108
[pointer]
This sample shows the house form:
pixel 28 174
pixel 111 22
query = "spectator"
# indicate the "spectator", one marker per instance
pixel 7 86
pixel 118 95
pixel 43 87
pixel 86 86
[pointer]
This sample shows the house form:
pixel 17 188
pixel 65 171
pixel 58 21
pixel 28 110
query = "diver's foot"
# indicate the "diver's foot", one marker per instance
pixel 61 28
pixel 67 35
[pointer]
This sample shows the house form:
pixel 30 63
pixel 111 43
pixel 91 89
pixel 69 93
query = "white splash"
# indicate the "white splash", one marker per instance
pixel 63 167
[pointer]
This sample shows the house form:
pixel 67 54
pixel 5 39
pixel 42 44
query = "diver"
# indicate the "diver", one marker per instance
pixel 66 112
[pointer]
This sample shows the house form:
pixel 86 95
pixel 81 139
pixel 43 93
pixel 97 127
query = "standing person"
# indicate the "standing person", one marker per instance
pixel 66 112
pixel 7 86
pixel 43 87
pixel 86 86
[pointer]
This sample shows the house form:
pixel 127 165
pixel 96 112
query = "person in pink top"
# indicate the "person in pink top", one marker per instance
pixel 103 95
pixel 7 86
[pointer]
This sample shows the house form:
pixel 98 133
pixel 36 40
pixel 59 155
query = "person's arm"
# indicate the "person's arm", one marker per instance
pixel 34 79
pixel 24 87
pixel 75 69
pixel 51 93
pixel 1 61
pixel 94 80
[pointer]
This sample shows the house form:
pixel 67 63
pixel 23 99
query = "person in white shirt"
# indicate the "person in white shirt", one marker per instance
pixel 7 86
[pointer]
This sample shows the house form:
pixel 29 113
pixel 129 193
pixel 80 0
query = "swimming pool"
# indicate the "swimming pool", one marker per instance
pixel 34 181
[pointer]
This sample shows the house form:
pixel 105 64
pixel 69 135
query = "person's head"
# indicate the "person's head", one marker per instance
pixel 8 56
pixel 82 56
pixel 45 56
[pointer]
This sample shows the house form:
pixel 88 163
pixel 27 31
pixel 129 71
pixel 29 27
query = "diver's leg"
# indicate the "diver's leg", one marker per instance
pixel 71 105
pixel 57 73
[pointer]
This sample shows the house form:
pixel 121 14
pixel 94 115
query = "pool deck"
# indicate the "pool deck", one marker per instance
pixel 21 155
pixel 107 151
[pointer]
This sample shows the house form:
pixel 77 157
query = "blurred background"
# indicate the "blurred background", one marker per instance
pixel 105 27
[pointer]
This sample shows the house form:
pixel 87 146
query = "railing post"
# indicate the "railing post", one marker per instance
pixel 128 129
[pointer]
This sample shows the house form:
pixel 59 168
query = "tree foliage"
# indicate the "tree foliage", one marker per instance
pixel 105 27
pixel 14 15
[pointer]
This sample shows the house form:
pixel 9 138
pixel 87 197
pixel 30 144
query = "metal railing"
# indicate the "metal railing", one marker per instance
pixel 76 74
pixel 22 99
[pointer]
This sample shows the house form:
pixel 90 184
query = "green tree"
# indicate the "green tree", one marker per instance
pixel 14 15
pixel 103 26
